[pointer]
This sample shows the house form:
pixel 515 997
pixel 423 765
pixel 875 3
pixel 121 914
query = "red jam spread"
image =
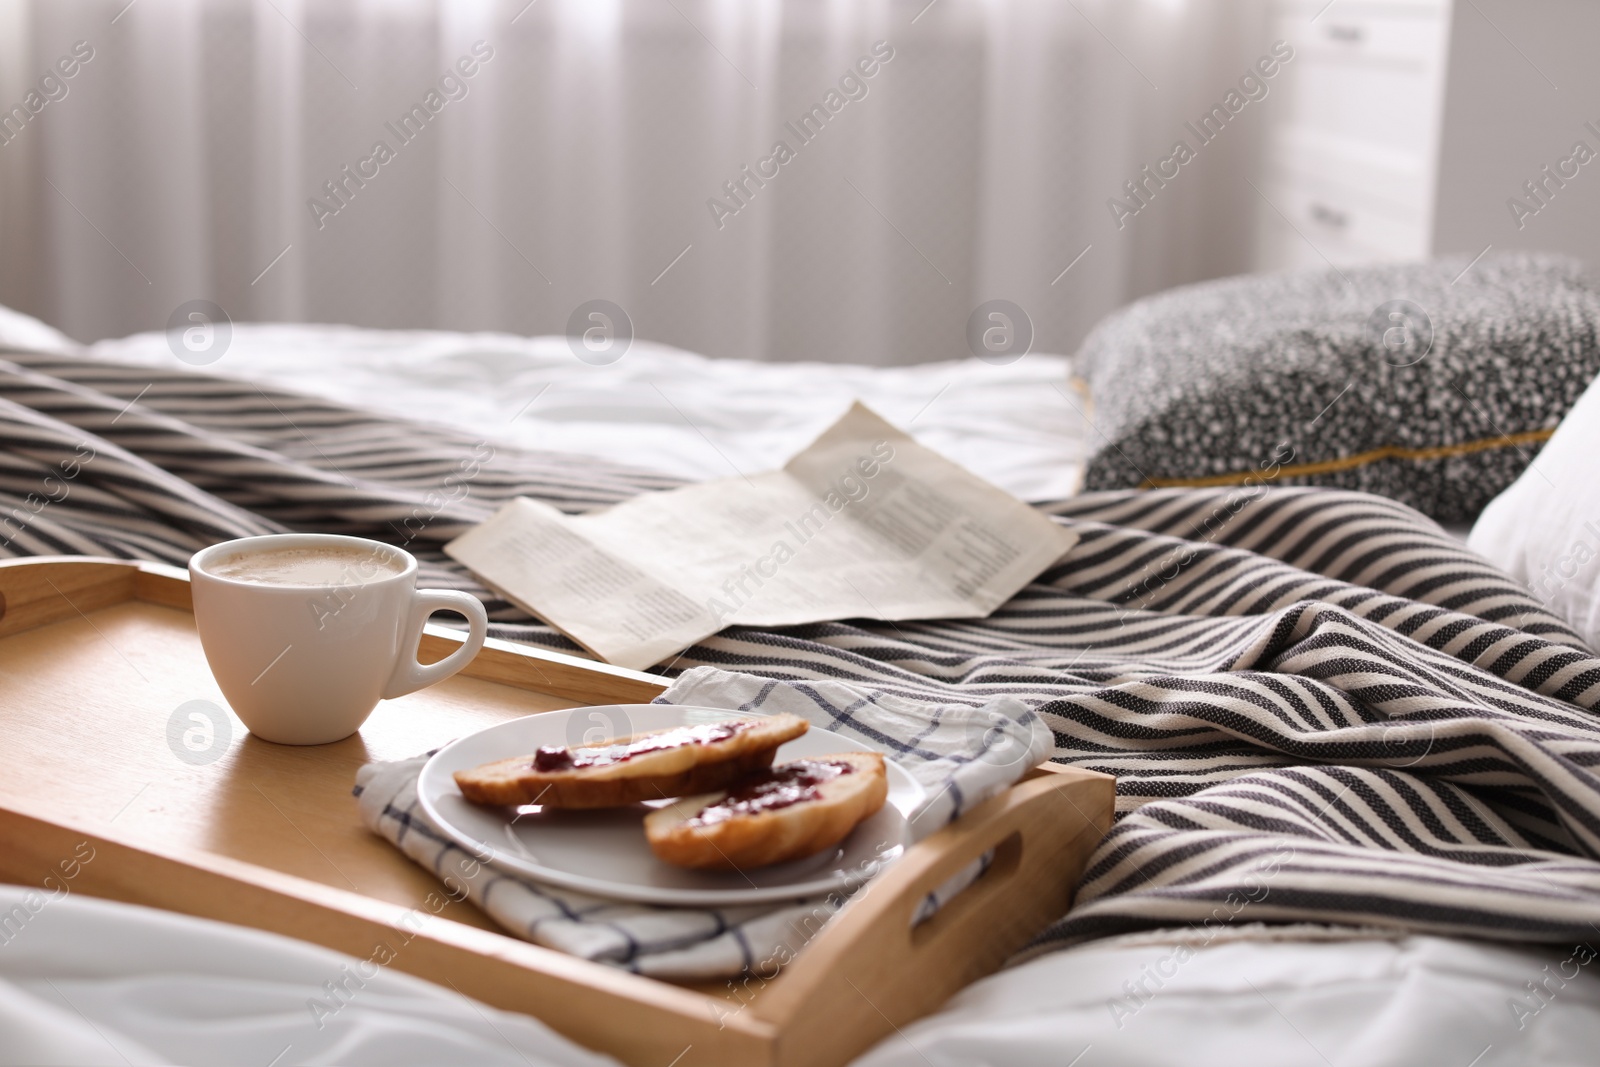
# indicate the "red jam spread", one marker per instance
pixel 549 758
pixel 771 790
pixel 552 758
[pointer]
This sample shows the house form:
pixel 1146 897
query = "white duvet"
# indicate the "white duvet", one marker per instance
pixel 1270 999
pixel 90 982
pixel 1020 426
pixel 86 981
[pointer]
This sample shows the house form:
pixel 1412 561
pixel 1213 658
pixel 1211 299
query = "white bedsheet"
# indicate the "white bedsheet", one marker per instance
pixel 86 981
pixel 1020 426
pixel 1412 1002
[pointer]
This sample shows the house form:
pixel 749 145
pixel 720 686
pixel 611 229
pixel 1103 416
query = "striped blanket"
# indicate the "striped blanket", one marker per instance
pixel 1319 708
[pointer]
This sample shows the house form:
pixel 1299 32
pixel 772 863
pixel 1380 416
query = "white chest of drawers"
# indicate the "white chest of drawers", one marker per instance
pixel 1351 155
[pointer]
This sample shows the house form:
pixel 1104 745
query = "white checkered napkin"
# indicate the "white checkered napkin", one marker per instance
pixel 960 754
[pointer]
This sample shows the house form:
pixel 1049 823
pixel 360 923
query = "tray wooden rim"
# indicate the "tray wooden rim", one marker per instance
pixel 1042 830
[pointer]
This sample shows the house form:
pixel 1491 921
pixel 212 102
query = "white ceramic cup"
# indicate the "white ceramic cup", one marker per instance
pixel 306 664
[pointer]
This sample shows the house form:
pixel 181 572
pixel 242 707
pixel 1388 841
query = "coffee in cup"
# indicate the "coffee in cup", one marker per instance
pixel 316 565
pixel 306 633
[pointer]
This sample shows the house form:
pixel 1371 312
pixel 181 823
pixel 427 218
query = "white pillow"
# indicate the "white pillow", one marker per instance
pixel 1544 529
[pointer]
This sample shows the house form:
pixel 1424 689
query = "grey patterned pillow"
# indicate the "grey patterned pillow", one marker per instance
pixel 1431 383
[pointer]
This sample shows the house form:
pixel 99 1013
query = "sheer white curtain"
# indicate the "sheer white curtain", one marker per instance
pixel 577 161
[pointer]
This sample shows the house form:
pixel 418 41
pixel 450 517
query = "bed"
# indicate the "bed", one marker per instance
pixel 1131 982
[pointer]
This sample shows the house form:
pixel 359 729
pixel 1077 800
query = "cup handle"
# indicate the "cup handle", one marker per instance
pixel 410 675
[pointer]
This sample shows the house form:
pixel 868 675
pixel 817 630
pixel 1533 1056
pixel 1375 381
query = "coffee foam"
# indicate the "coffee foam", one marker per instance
pixel 312 565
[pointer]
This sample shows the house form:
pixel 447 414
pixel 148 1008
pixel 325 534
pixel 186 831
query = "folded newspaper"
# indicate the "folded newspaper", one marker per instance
pixel 865 523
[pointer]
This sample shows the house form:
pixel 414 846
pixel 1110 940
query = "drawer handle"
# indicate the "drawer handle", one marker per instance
pixel 1345 33
pixel 1330 217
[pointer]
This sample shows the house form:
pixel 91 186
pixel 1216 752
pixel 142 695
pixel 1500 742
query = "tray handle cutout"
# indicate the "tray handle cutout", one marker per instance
pixel 868 971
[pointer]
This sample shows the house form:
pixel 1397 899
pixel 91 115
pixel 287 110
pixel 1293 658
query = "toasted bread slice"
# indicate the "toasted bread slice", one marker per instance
pixel 793 810
pixel 656 765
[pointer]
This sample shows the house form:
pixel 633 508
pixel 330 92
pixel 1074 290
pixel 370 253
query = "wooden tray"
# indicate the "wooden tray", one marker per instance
pixel 95 657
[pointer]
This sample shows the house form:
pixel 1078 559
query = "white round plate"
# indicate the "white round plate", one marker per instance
pixel 604 852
